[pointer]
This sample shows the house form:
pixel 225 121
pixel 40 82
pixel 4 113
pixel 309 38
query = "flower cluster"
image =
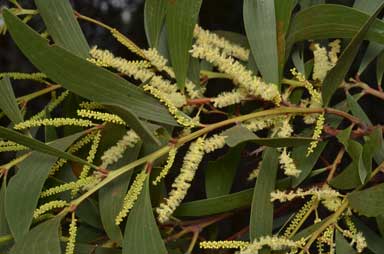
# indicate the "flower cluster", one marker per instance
pixel 127 42
pixel 316 134
pixel 114 153
pixel 183 181
pixel 213 143
pixel 180 117
pixel 274 242
pixel 10 146
pixel 51 106
pixel 206 37
pixel 69 186
pixel 105 117
pixel 70 248
pixel 91 156
pixel 323 60
pixel 321 194
pixel 72 149
pixel 24 76
pixel 251 84
pixel 294 223
pixel 288 164
pixel 167 167
pixel 223 245
pixel 225 99
pixel 49 206
pixel 132 195
pixel 56 122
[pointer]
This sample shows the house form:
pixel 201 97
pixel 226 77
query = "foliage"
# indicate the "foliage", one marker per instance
pixel 125 167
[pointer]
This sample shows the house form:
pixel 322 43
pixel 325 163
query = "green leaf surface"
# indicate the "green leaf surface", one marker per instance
pixel 4 229
pixel 374 49
pixel 142 235
pixel 337 74
pixel 331 21
pixel 348 178
pixel 111 196
pixel 38 145
pixel 134 122
pixel 375 243
pixel 88 213
pixel 62 25
pixel 82 77
pixel 308 3
pixel 42 239
pixel 380 68
pixel 304 163
pixel 180 21
pixel 27 184
pixel 368 202
pixel 154 14
pixel 283 11
pixel 219 174
pixel 342 245
pixel 380 224
pixel 260 27
pixel 356 110
pixel 215 205
pixel 8 103
pixel 261 220
pixel 239 134
pixel 368 7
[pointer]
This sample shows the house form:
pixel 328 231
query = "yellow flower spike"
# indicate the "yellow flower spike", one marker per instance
pixel 182 182
pixel 223 245
pixel 240 75
pixel 127 42
pixel 69 186
pixel 226 99
pixel 316 134
pixel 132 195
pixel 70 248
pixel 180 117
pixel 91 155
pixel 74 148
pixel 56 122
pixel 51 106
pixel 90 105
pixel 288 164
pixel 274 242
pixel 10 146
pixel 229 48
pixel 293 224
pixel 319 193
pixel 213 143
pixel 321 64
pixel 49 206
pixel 316 96
pixel 105 117
pixel 167 167
pixel 335 49
pixel 114 153
pixel 24 76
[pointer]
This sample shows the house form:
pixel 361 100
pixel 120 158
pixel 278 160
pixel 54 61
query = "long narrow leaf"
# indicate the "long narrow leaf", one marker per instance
pixel 80 76
pixel 154 14
pixel 180 21
pixel 8 103
pixel 62 25
pixel 260 27
pixel 336 75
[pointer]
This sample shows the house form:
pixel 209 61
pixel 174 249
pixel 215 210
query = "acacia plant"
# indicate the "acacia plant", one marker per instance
pixel 152 154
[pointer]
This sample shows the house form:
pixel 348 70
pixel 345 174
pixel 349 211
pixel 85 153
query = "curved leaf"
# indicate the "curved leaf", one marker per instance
pixel 81 77
pixel 337 74
pixel 62 25
pixel 42 239
pixel 239 134
pixel 154 14
pixel 342 245
pixel 261 220
pixel 331 21
pixel 260 27
pixel 27 184
pixel 368 202
pixel 40 146
pixel 180 21
pixel 141 233
pixel 8 103
pixel 216 205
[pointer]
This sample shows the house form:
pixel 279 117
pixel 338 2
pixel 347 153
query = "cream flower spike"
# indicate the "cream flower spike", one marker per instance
pixel 205 37
pixel 182 182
